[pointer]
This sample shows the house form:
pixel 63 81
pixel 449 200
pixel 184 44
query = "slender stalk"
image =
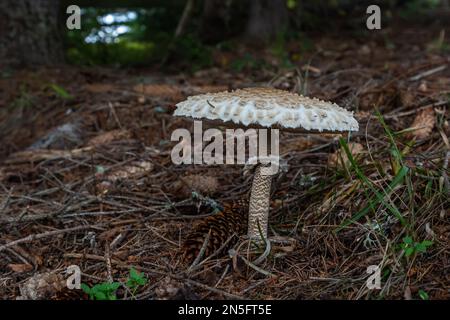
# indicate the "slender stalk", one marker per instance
pixel 258 216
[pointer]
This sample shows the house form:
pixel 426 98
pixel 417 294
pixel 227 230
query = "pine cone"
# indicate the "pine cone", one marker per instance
pixel 231 220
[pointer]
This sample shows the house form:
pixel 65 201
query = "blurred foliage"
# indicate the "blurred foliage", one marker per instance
pixel 143 36
pixel 280 51
pixel 190 49
pixel 248 62
pixel 24 100
pixel 413 7
pixel 146 38
pixel 439 44
pixel 122 53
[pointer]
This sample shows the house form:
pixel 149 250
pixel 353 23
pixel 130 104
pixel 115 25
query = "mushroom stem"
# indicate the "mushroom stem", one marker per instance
pixel 258 215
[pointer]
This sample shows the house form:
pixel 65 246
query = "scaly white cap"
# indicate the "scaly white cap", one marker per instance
pixel 268 107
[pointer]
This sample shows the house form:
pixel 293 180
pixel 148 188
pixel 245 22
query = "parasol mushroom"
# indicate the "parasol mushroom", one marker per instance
pixel 271 109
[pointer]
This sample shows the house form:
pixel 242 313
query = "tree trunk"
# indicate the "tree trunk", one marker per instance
pixel 215 17
pixel 30 32
pixel 257 21
pixel 267 19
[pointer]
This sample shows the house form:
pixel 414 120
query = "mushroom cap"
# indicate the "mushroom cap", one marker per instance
pixel 268 107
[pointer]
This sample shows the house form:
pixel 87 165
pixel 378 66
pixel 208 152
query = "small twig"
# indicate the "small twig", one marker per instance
pixel 255 267
pixel 91 257
pixel 5 203
pixel 201 252
pixel 215 290
pixel 256 284
pixel 38 236
pixel 117 240
pixel 108 262
pixel 114 114
pixel 444 171
pixel 233 253
pixel 224 273
pixel 215 253
pixel 427 73
pixel 392 115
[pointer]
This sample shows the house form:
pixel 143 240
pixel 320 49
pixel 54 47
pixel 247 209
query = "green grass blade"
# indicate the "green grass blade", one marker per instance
pixel 372 203
pixel 398 179
pixel 395 151
pixel 60 91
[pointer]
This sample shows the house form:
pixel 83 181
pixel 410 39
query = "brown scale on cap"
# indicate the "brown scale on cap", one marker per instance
pixel 232 220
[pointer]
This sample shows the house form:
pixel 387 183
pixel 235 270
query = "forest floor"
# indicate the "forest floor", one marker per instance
pixel 86 178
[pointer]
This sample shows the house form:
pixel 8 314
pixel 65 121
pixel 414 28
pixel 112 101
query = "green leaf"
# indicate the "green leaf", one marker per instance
pixel 427 243
pixel 423 295
pixel 114 286
pixel 60 91
pixel 104 291
pixel 409 252
pixel 86 288
pixel 99 295
pixel 408 240
pixel 135 279
pixel 112 297
pixel 420 247
pixel 100 287
pixel 134 274
pixel 131 284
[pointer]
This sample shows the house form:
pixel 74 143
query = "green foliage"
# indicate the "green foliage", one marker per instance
pixel 193 52
pixel 378 196
pixel 135 279
pixel 24 100
pixel 396 155
pixel 439 44
pixel 247 63
pixel 146 39
pixel 122 53
pixel 107 290
pixel 423 295
pixel 410 247
pixel 281 53
pixel 416 7
pixel 291 4
pixel 102 291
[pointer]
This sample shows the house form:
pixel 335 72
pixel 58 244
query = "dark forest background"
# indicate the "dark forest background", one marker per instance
pixel 193 33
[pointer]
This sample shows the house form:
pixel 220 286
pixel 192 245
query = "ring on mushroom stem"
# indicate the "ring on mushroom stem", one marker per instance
pixel 271 109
